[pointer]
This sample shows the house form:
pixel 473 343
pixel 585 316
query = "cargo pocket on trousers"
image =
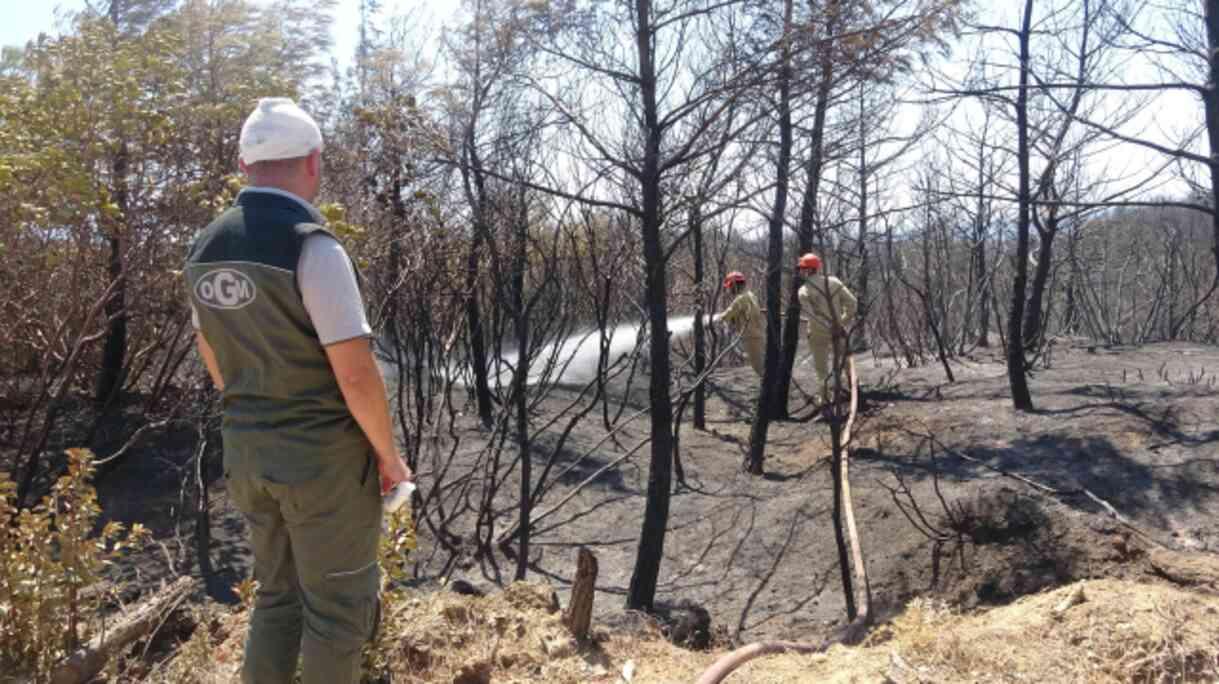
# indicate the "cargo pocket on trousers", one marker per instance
pixel 359 589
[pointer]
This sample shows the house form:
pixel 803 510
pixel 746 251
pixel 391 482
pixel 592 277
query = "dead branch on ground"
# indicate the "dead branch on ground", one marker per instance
pixel 90 659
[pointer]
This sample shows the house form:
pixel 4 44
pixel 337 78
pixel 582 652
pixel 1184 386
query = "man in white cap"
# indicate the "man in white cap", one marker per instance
pixel 282 330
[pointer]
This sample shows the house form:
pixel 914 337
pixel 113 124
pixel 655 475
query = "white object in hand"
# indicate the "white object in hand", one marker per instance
pixel 398 495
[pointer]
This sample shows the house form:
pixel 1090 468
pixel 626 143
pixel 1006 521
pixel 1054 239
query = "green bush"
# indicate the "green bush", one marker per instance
pixel 49 555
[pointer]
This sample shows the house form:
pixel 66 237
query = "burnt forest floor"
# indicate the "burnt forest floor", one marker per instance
pixel 1135 427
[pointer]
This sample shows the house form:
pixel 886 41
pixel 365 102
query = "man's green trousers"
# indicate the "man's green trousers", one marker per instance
pixel 315 551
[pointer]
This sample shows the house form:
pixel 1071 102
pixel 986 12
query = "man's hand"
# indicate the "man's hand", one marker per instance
pixel 393 471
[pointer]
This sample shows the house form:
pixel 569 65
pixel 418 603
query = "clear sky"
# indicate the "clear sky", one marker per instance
pixel 23 20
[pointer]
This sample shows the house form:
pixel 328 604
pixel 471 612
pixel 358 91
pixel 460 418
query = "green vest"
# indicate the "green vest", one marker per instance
pixel 284 415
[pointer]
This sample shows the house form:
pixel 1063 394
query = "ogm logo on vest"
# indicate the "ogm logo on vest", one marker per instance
pixel 225 288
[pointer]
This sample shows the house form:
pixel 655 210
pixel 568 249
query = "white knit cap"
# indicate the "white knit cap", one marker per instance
pixel 278 129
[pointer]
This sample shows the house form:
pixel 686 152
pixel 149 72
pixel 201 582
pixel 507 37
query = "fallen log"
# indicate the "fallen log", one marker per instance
pixel 91 658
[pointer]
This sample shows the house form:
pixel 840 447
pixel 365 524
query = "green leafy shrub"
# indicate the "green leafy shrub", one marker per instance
pixel 49 555
pixel 397 543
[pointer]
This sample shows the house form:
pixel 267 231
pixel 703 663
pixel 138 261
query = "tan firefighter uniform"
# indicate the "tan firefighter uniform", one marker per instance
pixel 745 316
pixel 824 298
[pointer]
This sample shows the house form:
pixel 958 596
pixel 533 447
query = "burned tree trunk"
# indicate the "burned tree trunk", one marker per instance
pixel 980 266
pixel 983 278
pixel 1034 316
pixel 642 590
pixel 476 194
pixel 771 374
pixel 808 222
pixel 933 313
pixel 520 320
pixel 1070 313
pixel 478 345
pixel 860 335
pixel 114 351
pixel 1210 102
pixel 1016 364
pixel 700 337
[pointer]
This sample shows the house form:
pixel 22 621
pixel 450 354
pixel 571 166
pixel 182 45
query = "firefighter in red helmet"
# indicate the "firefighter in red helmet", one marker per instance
pixel 745 317
pixel 830 308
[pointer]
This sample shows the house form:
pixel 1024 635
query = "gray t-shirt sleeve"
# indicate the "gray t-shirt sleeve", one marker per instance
pixel 329 290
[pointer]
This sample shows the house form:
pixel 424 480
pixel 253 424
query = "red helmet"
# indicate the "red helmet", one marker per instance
pixel 810 261
pixel 734 278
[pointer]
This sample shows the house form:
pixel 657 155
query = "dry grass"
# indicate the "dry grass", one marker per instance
pixel 1092 631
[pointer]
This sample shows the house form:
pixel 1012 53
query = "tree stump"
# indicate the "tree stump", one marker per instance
pixel 580 609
